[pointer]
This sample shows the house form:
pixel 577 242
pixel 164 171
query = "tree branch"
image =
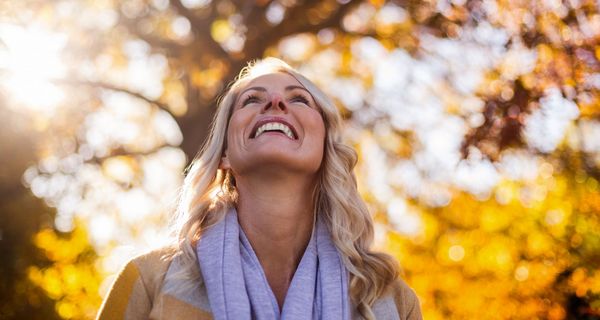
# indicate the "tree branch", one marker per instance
pixel 112 87
pixel 120 151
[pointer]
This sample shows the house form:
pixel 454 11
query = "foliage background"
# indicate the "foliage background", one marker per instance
pixel 477 125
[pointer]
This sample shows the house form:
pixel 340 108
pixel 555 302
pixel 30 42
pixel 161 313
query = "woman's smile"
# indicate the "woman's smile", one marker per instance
pixel 273 125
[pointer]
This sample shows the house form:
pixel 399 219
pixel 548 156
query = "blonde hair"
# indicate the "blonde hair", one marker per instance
pixel 207 193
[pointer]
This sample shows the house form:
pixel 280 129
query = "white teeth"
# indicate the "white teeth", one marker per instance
pixel 274 126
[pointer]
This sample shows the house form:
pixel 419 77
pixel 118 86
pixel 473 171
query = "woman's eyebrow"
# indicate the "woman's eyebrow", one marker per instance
pixel 288 88
pixel 254 88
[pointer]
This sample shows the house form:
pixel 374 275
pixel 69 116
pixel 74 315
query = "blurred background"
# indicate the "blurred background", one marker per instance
pixel 477 124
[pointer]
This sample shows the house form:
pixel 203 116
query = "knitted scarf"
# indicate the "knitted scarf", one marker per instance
pixel 238 288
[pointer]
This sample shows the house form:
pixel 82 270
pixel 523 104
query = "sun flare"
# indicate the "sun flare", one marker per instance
pixel 30 58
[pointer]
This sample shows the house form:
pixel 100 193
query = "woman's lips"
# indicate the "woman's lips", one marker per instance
pixel 273 124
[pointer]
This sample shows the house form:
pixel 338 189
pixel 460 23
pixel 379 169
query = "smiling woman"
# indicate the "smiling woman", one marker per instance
pixel 270 225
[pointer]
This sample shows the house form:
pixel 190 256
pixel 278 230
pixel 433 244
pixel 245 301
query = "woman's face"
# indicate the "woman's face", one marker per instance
pixel 275 127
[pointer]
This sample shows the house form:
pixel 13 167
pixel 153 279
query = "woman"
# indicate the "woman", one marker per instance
pixel 271 223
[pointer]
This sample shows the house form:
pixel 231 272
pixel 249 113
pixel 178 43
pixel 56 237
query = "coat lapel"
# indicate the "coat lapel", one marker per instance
pixel 181 298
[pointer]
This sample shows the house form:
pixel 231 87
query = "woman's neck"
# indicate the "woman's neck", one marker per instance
pixel 277 217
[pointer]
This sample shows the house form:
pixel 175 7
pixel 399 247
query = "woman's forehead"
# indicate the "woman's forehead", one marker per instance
pixel 269 80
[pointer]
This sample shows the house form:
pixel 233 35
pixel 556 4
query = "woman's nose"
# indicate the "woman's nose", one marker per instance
pixel 275 102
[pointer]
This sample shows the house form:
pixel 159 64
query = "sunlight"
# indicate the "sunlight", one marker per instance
pixel 29 60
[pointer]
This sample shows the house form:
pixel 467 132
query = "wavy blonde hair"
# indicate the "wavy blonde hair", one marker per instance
pixel 207 193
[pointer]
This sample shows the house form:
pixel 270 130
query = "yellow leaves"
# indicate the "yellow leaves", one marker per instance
pixel 506 192
pixel 208 79
pixel 497 256
pixel 450 250
pixel 461 212
pixel 545 53
pixel 431 228
pixel 346 63
pixel 66 309
pixel 556 220
pixel 221 30
pixel 60 249
pixel 174 96
pixel 51 283
pixel 592 184
pixel 74 286
pixel 385 29
pixel 506 255
pixel 71 278
pixel 539 244
pixel 396 245
pixel 451 281
pixel 495 219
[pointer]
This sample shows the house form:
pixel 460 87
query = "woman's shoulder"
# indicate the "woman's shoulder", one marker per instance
pixel 150 267
pixel 406 300
pixel 154 261
pixel 137 283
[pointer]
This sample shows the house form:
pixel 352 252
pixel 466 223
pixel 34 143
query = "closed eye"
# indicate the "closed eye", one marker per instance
pixel 250 99
pixel 299 98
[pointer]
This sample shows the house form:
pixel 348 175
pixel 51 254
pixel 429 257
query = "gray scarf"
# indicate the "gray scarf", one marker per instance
pixel 238 289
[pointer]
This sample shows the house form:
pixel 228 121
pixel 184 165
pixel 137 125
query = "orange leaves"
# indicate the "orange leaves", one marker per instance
pixel 554 68
pixel 584 282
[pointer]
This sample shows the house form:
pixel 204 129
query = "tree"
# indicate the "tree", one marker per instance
pixel 464 113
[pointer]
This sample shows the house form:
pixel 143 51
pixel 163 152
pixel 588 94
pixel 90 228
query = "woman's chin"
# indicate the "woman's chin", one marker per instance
pixel 273 141
pixel 276 160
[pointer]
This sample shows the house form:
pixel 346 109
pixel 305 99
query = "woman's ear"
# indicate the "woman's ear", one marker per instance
pixel 224 163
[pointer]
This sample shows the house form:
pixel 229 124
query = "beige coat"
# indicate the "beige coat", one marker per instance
pixel 148 288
